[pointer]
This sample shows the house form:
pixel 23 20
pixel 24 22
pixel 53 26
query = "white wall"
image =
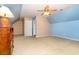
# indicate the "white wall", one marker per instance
pixel 18 27
pixel 42 26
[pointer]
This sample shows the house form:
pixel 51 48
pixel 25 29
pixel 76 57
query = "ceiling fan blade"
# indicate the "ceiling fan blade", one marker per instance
pixel 40 10
pixel 61 9
pixel 57 10
pixel 42 13
pixel 54 10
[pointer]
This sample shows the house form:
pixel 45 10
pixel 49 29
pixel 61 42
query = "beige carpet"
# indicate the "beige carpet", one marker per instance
pixel 44 46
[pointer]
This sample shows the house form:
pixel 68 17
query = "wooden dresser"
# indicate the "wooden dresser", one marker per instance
pixel 6 40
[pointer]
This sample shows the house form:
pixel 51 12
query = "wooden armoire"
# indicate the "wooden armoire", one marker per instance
pixel 6 40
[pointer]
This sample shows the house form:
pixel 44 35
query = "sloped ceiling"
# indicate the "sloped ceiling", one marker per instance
pixel 70 14
pixel 31 9
pixel 16 10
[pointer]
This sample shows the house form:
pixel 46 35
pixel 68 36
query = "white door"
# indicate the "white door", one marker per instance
pixel 27 27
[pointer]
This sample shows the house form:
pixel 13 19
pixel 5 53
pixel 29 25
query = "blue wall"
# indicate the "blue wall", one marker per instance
pixel 66 23
pixel 66 29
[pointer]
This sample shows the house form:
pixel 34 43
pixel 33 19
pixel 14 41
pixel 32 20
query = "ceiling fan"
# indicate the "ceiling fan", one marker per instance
pixel 48 11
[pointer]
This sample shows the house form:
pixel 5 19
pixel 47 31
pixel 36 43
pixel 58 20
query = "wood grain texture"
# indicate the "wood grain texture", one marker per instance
pixel 6 37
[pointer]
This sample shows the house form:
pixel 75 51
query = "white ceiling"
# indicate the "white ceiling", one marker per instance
pixel 31 9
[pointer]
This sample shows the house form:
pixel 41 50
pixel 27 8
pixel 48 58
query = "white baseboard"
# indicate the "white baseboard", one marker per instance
pixel 66 37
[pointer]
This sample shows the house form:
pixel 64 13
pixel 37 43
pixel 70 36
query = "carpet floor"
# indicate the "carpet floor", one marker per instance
pixel 44 46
